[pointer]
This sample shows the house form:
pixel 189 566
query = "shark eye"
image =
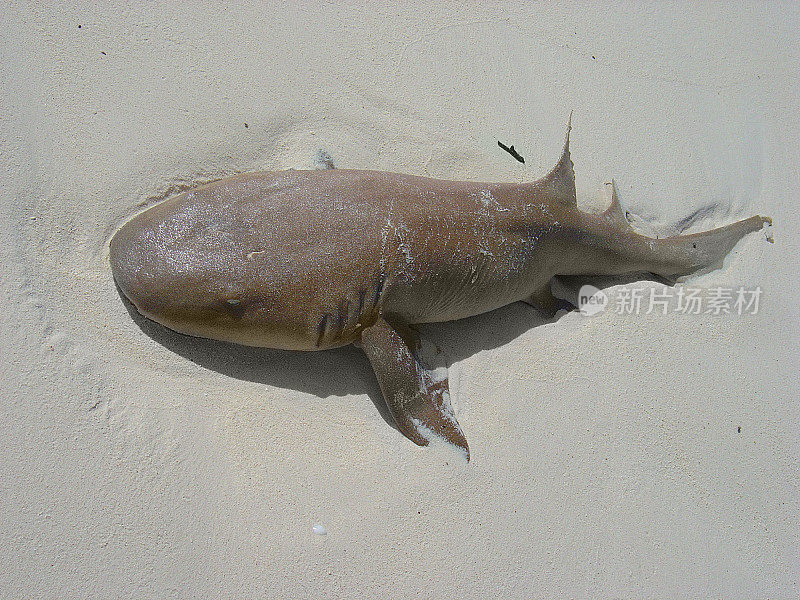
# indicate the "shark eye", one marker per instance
pixel 233 307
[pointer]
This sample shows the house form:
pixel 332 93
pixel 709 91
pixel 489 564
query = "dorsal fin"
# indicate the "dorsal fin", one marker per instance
pixel 560 181
pixel 615 214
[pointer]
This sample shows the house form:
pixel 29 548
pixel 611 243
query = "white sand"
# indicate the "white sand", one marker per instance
pixel 605 455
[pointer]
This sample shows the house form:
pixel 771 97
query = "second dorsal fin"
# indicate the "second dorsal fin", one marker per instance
pixel 560 181
pixel 615 214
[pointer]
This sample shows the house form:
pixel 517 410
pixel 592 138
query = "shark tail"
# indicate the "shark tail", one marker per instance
pixel 682 255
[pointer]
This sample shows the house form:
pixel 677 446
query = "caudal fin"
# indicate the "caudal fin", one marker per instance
pixel 684 255
pixel 678 256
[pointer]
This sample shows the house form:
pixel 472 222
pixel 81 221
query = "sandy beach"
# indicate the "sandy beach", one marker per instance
pixel 631 454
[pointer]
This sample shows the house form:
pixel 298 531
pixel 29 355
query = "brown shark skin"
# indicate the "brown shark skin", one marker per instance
pixel 309 260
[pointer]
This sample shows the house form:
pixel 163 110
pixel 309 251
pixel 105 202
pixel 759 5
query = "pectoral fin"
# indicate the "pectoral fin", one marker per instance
pixel 419 403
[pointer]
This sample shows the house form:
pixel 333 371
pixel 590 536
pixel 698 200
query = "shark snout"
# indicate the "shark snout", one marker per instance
pixel 126 255
pixel 160 273
pixel 144 274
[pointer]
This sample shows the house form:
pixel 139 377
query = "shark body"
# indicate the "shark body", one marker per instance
pixel 311 260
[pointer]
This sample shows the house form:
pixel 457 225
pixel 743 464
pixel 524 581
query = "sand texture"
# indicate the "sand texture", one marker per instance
pixel 622 455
